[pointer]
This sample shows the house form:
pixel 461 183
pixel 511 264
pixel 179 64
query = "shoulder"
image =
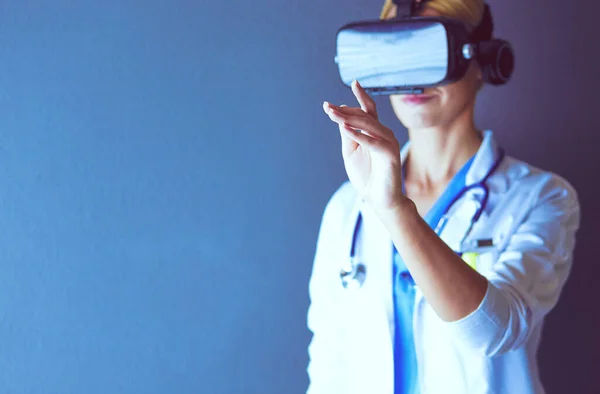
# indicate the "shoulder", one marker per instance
pixel 540 182
pixel 540 189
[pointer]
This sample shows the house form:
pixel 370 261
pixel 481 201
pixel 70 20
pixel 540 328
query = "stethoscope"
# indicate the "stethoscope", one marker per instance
pixel 354 273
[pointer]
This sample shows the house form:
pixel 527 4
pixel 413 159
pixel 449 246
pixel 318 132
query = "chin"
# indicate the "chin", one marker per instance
pixel 418 123
pixel 418 117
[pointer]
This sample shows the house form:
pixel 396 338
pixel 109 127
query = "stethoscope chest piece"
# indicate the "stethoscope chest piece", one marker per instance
pixel 355 277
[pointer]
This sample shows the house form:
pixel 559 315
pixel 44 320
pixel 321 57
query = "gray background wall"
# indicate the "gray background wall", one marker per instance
pixel 163 169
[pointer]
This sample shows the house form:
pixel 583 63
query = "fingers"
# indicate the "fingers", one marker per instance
pixel 367 124
pixel 356 136
pixel 353 139
pixel 344 109
pixel 327 106
pixel 366 102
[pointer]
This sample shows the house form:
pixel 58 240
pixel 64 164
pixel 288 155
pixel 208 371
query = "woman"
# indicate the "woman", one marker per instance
pixel 425 317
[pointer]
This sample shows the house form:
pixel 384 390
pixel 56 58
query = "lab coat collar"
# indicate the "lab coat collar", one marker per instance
pixel 484 159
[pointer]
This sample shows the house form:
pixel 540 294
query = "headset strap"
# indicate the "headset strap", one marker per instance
pixel 408 8
pixel 485 30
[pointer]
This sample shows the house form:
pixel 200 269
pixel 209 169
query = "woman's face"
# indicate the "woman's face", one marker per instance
pixel 438 106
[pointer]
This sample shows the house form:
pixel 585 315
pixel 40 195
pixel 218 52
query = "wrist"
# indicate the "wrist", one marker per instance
pixel 404 210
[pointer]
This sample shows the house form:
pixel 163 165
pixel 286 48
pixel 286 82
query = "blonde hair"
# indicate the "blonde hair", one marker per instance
pixel 467 11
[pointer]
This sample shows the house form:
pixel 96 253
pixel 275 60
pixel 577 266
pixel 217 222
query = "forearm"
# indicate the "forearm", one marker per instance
pixel 449 285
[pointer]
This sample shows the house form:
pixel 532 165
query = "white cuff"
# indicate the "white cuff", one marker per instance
pixel 483 329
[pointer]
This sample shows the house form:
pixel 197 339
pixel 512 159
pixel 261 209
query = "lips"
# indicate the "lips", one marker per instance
pixel 416 99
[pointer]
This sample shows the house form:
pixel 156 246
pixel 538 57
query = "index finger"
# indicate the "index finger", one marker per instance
pixel 366 102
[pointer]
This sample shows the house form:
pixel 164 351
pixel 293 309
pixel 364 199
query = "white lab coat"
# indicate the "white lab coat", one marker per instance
pixel 531 214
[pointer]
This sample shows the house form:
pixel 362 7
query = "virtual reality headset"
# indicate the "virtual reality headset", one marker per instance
pixel 409 53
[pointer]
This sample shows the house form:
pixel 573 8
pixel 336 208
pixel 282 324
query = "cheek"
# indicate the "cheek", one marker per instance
pixel 458 94
pixel 465 89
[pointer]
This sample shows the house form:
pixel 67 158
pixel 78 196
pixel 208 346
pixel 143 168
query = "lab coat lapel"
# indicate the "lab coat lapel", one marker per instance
pixel 376 326
pixel 485 158
pixel 378 249
pixel 487 154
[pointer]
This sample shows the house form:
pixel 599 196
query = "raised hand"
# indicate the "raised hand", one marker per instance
pixel 370 150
